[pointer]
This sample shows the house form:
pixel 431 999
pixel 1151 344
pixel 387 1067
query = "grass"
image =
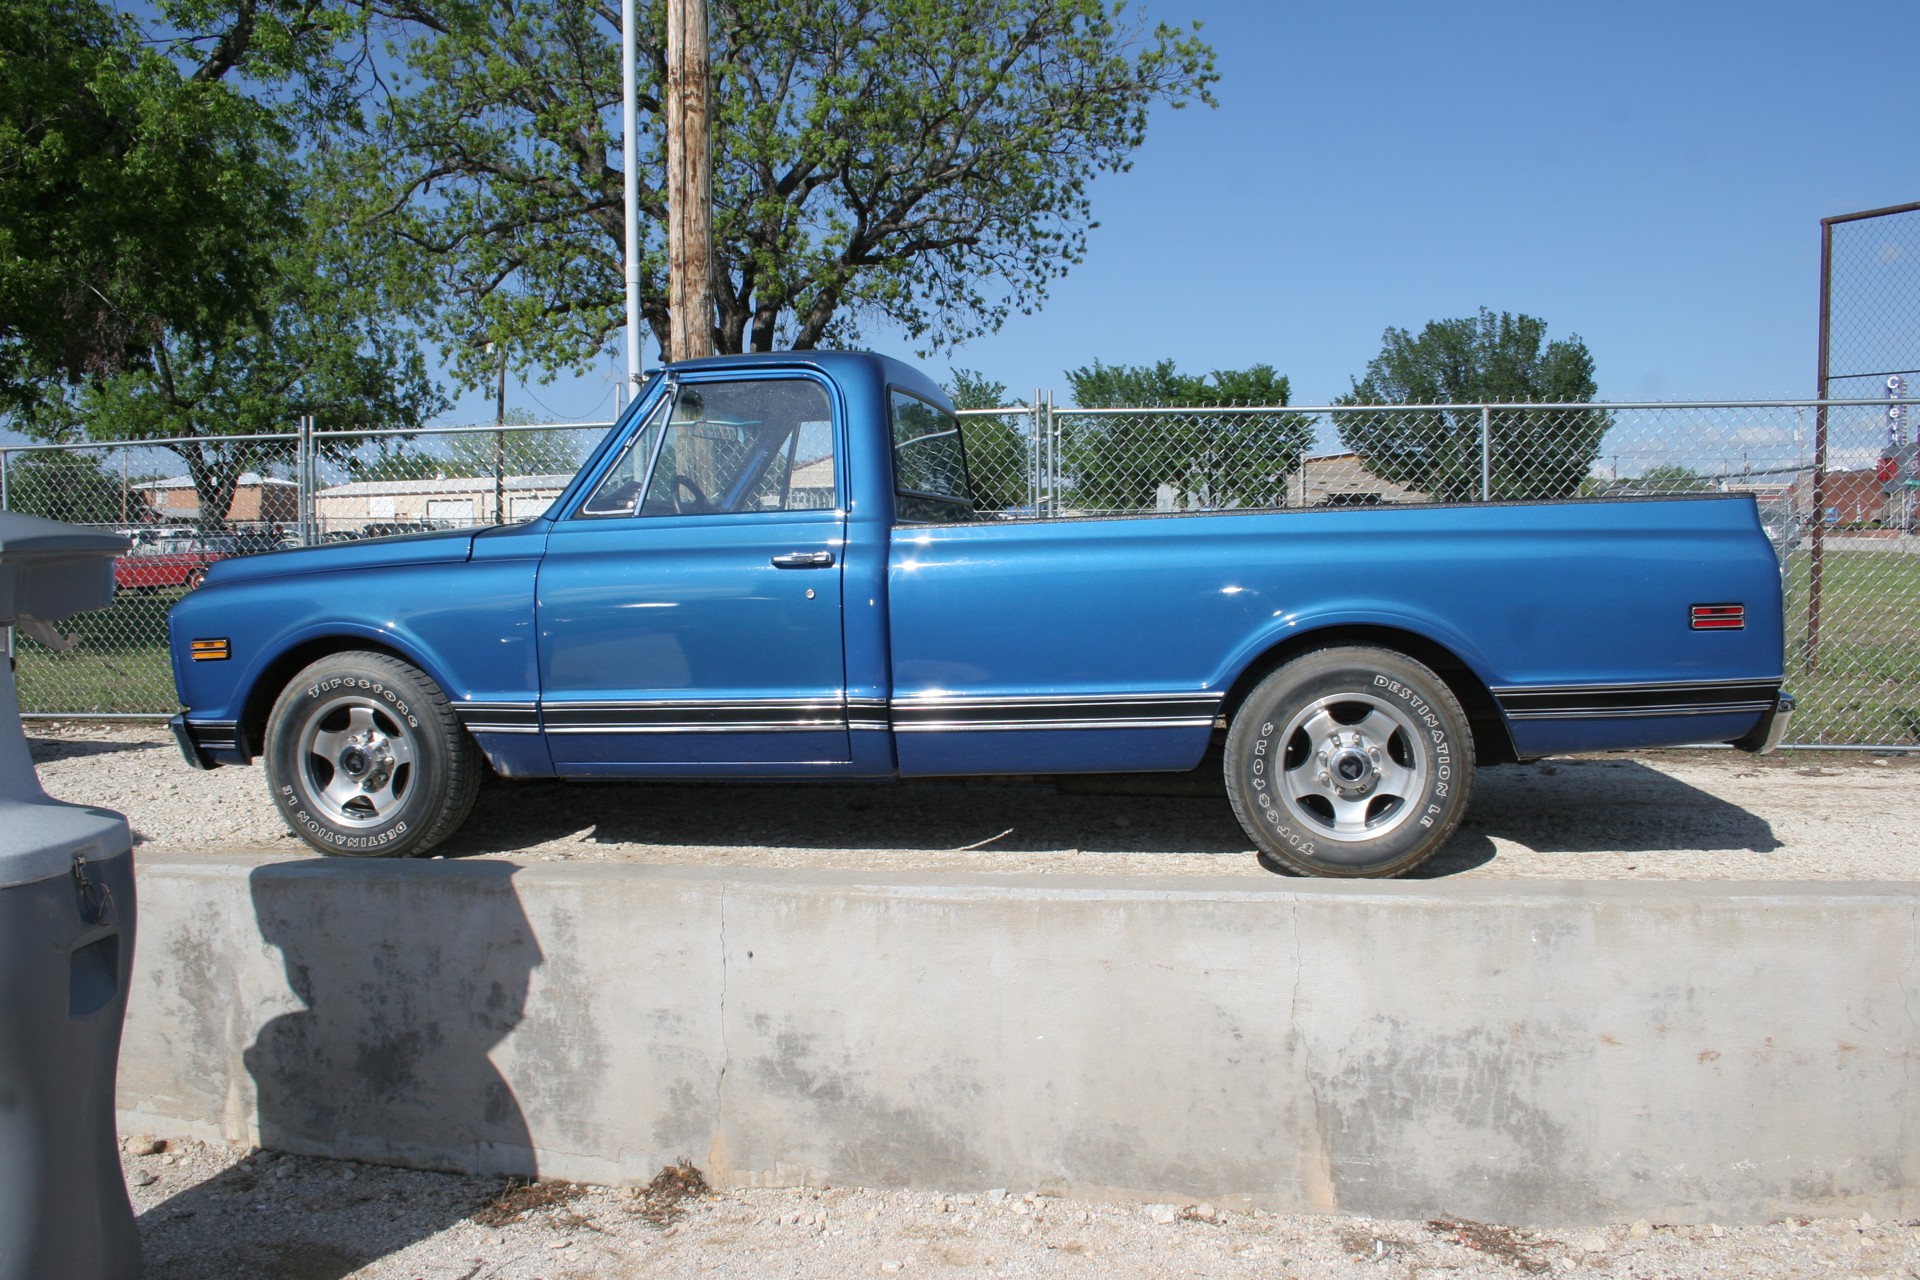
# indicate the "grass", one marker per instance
pixel 1863 689
pixel 118 667
pixel 1863 684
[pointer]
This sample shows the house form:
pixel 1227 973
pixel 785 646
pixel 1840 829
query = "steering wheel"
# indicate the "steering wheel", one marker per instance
pixel 696 500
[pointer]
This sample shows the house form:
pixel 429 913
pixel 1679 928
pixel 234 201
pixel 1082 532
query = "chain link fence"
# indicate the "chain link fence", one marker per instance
pixel 299 489
pixel 1848 545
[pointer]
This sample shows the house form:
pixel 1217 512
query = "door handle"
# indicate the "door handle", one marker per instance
pixel 804 560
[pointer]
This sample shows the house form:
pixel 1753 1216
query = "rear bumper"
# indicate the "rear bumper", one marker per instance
pixel 1772 728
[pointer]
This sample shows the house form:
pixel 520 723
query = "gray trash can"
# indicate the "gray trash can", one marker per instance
pixel 66 950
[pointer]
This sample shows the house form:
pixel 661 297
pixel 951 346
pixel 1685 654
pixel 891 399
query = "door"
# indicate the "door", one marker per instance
pixel 689 606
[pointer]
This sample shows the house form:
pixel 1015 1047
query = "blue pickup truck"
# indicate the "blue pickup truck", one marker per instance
pixel 771 569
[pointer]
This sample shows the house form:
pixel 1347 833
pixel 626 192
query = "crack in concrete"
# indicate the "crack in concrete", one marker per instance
pixel 1321 1157
pixel 726 1048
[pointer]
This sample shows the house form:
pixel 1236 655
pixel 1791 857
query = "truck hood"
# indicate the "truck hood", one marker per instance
pixel 449 545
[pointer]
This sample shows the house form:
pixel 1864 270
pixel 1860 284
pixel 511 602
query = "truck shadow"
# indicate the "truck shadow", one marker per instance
pixel 1000 817
pixel 1608 805
pixel 1579 806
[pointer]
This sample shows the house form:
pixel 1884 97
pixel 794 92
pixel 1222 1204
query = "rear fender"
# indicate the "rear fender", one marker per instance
pixel 1454 657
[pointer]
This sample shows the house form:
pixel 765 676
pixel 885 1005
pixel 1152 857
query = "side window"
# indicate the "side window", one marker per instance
pixel 765 444
pixel 929 466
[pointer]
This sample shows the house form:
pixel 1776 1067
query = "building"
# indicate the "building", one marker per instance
pixel 1342 480
pixel 457 501
pixel 1851 498
pixel 257 500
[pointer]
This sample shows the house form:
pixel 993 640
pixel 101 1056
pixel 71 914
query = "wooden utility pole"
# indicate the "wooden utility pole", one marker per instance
pixel 689 182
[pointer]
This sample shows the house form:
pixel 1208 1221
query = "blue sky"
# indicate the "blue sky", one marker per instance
pixel 1648 176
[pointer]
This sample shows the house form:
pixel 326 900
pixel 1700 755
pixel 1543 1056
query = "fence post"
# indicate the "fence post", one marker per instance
pixel 303 492
pixel 1054 465
pixel 1486 453
pixel 1033 451
pixel 6 502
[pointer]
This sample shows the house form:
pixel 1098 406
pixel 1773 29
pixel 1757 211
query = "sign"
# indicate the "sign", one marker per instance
pixel 1897 460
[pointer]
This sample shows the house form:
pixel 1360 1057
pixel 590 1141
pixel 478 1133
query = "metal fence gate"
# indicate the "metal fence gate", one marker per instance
pixel 1853 649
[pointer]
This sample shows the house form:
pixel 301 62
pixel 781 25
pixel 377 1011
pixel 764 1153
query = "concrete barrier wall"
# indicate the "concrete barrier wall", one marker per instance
pixel 1530 1052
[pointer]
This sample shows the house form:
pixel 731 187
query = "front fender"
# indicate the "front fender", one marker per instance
pixel 467 626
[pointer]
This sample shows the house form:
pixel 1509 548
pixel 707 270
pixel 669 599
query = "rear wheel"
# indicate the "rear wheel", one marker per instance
pixel 194 578
pixel 1350 762
pixel 365 757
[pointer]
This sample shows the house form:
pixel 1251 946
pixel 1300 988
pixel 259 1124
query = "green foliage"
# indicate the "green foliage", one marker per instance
pixel 1119 462
pixel 1503 359
pixel 168 279
pixel 925 161
pixel 134 199
pixel 999 458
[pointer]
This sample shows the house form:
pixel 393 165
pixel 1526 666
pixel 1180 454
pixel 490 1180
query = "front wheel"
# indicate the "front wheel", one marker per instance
pixel 365 757
pixel 1350 762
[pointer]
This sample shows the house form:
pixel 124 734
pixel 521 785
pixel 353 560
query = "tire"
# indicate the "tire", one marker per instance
pixel 365 758
pixel 194 578
pixel 1350 762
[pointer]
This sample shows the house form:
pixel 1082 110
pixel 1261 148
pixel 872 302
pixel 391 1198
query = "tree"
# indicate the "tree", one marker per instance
pixel 131 196
pixel 999 457
pixel 1217 460
pixel 1484 359
pixel 163 228
pixel 922 162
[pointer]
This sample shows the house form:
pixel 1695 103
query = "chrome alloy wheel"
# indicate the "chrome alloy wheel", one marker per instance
pixel 1352 767
pixel 356 762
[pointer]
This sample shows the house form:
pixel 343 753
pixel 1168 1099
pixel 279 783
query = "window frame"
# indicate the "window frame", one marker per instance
pixel 961 508
pixel 668 402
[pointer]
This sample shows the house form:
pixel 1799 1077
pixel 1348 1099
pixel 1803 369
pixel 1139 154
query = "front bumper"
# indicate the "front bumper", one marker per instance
pixel 1772 728
pixel 207 744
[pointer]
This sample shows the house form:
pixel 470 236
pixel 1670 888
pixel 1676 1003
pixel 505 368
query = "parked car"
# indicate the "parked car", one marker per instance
pixel 167 563
pixel 771 569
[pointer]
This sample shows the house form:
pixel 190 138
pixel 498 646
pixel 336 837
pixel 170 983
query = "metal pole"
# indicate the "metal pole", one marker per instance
pixel 1486 454
pixel 630 152
pixel 1036 454
pixel 1053 459
pixel 309 521
pixel 500 444
pixel 1811 658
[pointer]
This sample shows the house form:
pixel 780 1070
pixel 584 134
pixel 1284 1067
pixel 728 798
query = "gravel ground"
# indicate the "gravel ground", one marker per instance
pixel 1699 815
pixel 210 1211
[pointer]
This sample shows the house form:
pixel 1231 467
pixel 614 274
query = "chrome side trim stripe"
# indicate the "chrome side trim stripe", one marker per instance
pixel 1117 711
pixel 816 715
pixel 779 715
pixel 498 717
pixel 1636 701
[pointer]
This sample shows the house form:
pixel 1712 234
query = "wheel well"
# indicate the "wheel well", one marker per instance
pixel 1492 744
pixel 266 690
